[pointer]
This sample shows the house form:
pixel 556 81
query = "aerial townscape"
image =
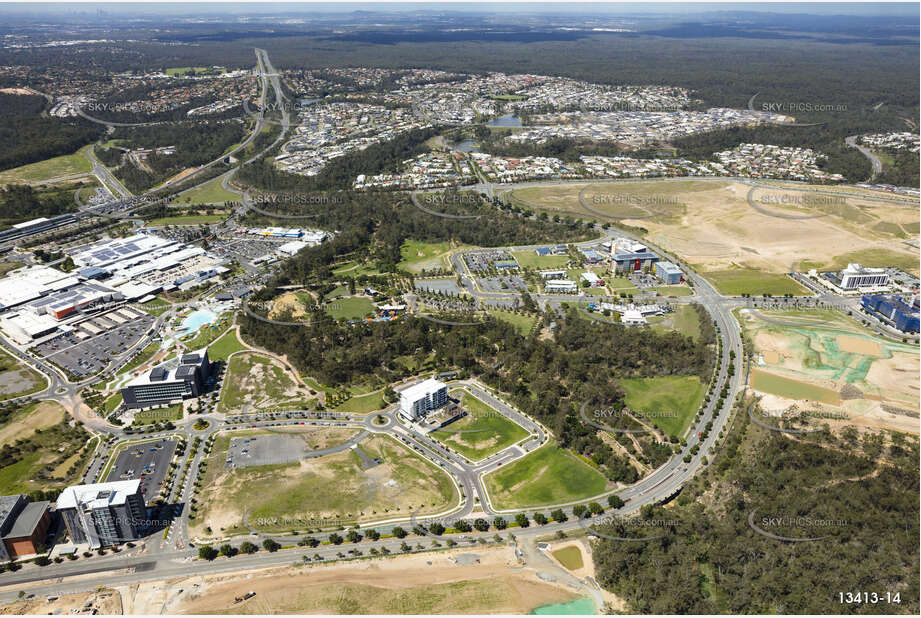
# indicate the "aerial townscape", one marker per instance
pixel 487 308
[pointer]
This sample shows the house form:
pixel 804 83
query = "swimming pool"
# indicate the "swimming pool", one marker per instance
pixel 196 320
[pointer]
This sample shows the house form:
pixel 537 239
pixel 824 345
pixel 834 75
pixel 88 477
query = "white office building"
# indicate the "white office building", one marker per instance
pixel 564 286
pixel 856 276
pixel 420 399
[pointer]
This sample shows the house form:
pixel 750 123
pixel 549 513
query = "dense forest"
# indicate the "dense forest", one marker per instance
pixel 903 171
pixel 195 144
pixel 856 492
pixel 21 203
pixel 28 137
pixel 566 149
pixel 378 224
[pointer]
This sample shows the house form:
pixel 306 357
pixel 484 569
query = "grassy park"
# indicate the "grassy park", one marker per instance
pixel 483 432
pixel 530 259
pixel 226 345
pixel 212 192
pixel 522 323
pixel 549 475
pixel 669 402
pixel 65 165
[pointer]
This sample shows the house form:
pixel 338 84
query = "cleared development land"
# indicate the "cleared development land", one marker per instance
pixel 18 379
pixel 822 360
pixel 712 225
pixel 484 580
pixel 49 456
pixel 684 320
pixel 339 487
pixel 549 475
pixel 254 381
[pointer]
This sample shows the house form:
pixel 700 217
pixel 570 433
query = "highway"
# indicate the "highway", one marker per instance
pixel 876 164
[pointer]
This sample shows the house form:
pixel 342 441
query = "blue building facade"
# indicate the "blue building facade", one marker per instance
pixel 902 315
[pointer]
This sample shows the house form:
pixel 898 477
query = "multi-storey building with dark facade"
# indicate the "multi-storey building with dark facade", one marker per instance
pixel 165 385
pixel 104 513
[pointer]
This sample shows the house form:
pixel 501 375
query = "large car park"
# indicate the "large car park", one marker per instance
pixel 147 461
pixel 89 347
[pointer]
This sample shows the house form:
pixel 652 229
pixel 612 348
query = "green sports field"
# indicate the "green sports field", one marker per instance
pixel 483 432
pixel 350 308
pixel 549 475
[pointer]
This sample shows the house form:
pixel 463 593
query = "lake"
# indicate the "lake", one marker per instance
pixel 580 607
pixel 468 145
pixel 508 120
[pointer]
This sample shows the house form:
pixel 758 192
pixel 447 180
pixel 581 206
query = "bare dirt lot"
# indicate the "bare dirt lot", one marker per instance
pixel 712 224
pixel 106 602
pixel 45 414
pixel 468 581
pixel 877 380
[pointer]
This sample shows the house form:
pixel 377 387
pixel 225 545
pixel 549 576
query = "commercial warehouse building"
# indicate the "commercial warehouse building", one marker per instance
pixel 169 382
pixel 103 514
pixel 35 226
pixel 23 526
pixel 419 399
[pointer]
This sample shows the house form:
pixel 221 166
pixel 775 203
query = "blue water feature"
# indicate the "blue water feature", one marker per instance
pixel 196 320
pixel 508 120
pixel 580 607
pixel 468 145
